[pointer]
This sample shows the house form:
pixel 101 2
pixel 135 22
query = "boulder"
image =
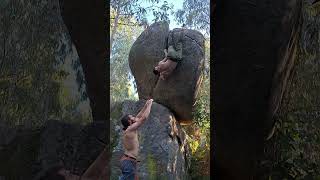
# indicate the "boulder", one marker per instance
pixel 163 149
pixel 144 54
pixel 31 151
pixel 250 75
pixel 178 92
pixel 74 145
pixel 38 49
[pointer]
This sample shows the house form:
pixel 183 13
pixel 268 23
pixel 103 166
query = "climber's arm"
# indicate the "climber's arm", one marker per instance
pixel 142 118
pixel 142 111
pixel 146 112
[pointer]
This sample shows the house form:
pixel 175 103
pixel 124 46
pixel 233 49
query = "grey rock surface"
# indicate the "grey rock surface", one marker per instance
pixel 74 145
pixel 163 149
pixel 30 152
pixel 145 53
pixel 36 48
pixel 179 91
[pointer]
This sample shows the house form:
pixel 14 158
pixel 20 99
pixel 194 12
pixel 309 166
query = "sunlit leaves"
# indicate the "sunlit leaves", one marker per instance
pixel 195 15
pixel 120 76
pixel 161 14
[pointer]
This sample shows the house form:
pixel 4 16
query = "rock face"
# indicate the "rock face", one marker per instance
pixel 178 92
pixel 31 152
pixel 254 54
pixel 144 54
pixel 163 149
pixel 85 21
pixel 76 146
pixel 48 79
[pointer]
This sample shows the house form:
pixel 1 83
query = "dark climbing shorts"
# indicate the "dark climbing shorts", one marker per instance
pixel 128 169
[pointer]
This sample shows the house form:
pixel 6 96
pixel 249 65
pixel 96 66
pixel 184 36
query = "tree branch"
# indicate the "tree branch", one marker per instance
pixel 129 24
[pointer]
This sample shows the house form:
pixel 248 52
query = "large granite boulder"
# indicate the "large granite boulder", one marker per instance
pixel 75 145
pixel 178 92
pixel 163 149
pixel 48 78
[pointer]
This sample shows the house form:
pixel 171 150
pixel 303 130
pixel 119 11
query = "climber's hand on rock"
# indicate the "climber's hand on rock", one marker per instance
pixel 149 101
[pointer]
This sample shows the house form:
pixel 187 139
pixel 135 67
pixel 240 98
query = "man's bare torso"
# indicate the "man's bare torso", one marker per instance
pixel 131 143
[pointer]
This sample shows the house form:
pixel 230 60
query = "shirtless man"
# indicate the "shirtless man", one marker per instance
pixel 130 141
pixel 97 171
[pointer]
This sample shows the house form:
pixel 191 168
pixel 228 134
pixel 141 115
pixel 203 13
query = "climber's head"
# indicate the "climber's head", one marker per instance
pixel 127 120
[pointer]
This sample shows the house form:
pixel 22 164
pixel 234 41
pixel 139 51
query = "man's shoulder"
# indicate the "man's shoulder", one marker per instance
pixel 129 132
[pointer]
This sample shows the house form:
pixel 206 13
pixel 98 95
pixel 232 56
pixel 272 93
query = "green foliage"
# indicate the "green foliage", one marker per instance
pixel 121 80
pixel 199 143
pixel 133 12
pixel 161 14
pixel 202 106
pixel 152 167
pixel 199 133
pixel 293 153
pixel 195 15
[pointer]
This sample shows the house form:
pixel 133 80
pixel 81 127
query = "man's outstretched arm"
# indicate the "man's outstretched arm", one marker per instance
pixel 142 118
pixel 142 111
pixel 146 112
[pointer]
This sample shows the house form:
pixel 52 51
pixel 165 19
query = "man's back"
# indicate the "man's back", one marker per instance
pixel 131 143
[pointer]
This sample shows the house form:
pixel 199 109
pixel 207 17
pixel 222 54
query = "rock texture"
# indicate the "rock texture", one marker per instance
pixel 144 54
pixel 178 92
pixel 29 152
pixel 85 21
pixel 255 45
pixel 76 146
pixel 163 149
pixel 40 72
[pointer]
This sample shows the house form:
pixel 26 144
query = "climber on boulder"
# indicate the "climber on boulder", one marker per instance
pixel 173 56
pixel 130 141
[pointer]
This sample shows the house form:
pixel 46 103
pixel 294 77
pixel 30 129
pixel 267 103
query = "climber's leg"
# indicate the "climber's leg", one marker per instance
pixel 128 168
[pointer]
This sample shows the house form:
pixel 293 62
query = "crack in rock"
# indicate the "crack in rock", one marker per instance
pixel 196 43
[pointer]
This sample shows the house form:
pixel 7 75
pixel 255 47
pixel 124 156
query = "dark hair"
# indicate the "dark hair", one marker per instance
pixel 52 173
pixel 155 71
pixel 125 121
